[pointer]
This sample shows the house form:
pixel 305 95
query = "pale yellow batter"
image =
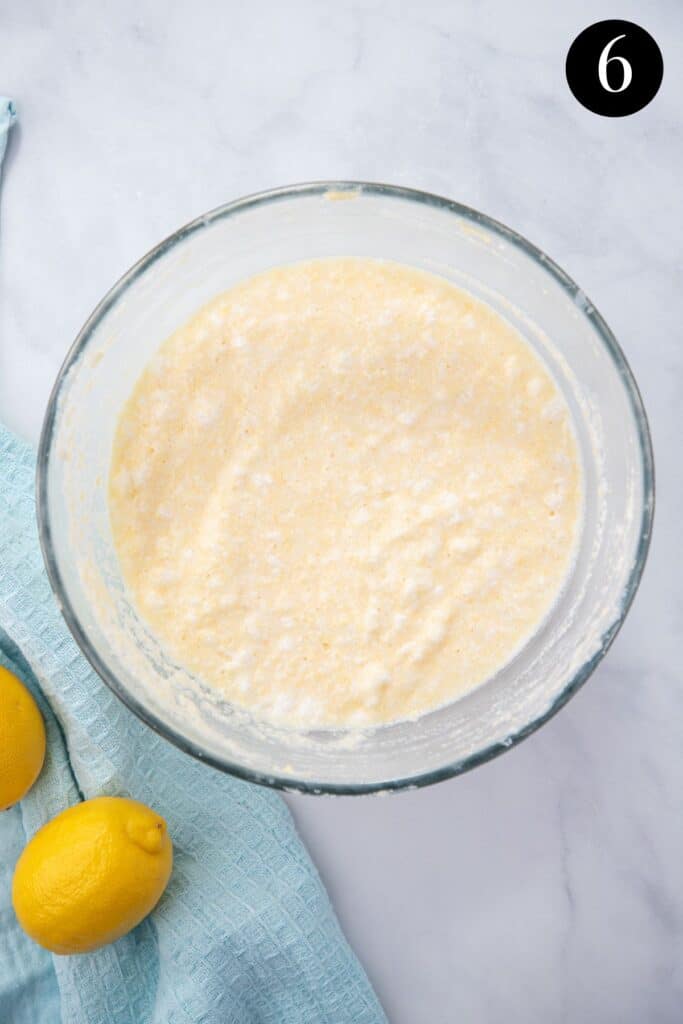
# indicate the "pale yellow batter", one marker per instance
pixel 345 493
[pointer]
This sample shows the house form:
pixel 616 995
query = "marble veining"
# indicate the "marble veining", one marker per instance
pixel 545 886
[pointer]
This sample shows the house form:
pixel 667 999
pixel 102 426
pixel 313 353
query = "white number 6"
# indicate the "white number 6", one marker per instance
pixel 605 59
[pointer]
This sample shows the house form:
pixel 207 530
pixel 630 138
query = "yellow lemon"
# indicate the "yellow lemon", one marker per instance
pixel 91 874
pixel 22 740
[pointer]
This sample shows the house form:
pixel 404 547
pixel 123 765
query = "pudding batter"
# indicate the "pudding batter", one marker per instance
pixel 345 493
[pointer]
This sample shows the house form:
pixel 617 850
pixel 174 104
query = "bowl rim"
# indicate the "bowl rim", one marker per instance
pixel 400 193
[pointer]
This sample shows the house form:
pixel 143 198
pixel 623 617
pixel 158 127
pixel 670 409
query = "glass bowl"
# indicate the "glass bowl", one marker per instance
pixel 329 219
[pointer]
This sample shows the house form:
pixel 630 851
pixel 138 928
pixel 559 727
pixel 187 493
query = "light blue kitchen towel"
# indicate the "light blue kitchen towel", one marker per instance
pixel 7 116
pixel 244 934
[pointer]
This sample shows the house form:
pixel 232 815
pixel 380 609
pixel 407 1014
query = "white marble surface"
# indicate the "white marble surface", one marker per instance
pixel 546 886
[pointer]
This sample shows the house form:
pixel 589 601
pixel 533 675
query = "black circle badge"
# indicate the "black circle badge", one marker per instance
pixel 614 68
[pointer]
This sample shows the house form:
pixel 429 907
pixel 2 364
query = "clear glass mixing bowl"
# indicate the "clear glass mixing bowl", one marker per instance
pixel 325 220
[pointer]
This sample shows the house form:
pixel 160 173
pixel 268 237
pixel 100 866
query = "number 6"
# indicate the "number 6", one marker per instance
pixel 605 59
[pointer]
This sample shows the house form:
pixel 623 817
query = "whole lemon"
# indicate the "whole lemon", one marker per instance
pixel 22 740
pixel 91 874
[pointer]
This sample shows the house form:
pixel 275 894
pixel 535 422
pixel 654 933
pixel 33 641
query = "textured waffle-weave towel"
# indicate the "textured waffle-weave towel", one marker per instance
pixel 244 933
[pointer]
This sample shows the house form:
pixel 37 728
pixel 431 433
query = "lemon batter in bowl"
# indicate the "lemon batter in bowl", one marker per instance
pixel 493 281
pixel 345 493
